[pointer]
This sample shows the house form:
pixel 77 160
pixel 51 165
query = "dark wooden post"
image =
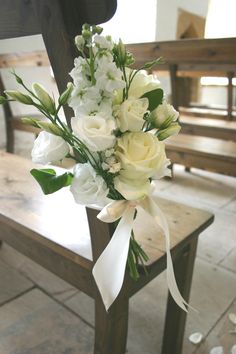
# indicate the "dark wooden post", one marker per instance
pixel 230 76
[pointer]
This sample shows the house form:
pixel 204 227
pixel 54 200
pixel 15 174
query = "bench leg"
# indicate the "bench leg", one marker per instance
pixel 176 317
pixel 111 328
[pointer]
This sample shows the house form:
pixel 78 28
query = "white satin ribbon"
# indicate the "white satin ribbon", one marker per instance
pixel 109 270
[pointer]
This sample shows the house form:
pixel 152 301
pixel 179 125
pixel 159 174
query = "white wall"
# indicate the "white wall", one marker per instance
pixel 167 15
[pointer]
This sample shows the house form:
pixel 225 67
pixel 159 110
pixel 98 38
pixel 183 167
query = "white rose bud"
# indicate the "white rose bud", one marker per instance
pixel 164 115
pixel 49 148
pixel 142 83
pixel 141 155
pixel 132 189
pixel 96 132
pixel 130 114
pixel 173 129
pixel 87 187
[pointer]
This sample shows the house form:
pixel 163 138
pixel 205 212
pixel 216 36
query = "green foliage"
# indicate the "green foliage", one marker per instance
pixel 155 98
pixel 49 181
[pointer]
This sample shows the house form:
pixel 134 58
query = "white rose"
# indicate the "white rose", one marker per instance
pixel 132 189
pixel 141 155
pixel 95 131
pixel 87 187
pixel 143 83
pixel 164 113
pixel 49 148
pixel 130 114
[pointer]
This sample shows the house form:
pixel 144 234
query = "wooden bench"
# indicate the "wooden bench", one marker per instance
pixel 201 152
pixel 55 232
pixel 208 127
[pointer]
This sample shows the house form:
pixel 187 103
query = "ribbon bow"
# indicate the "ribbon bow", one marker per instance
pixel 109 270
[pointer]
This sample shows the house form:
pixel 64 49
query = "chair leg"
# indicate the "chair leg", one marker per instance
pixel 9 136
pixel 111 328
pixel 176 317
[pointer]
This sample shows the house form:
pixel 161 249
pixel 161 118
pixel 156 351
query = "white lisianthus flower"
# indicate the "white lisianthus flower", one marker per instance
pixel 96 132
pixel 142 83
pixel 132 189
pixel 141 155
pixel 164 113
pixel 130 114
pixel 87 187
pixel 49 148
pixel 103 42
pixel 108 76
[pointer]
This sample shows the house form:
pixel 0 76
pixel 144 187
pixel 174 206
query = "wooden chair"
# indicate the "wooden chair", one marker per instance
pixel 53 238
pixel 43 237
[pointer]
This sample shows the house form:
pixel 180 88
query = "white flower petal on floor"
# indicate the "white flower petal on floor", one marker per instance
pixel 217 350
pixel 195 338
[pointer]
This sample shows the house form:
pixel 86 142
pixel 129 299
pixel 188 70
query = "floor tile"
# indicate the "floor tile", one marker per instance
pixel 212 293
pixel 12 283
pixel 230 261
pixel 197 189
pixel 220 335
pixel 52 284
pixel 36 324
pixel 219 238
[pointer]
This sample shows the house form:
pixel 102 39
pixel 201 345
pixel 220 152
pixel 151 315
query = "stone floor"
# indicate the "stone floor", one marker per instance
pixel 41 314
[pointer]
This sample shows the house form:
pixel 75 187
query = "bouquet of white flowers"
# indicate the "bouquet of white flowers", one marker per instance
pixel 116 138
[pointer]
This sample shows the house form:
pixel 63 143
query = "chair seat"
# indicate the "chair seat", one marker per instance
pixel 59 223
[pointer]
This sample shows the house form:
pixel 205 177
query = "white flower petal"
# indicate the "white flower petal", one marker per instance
pixel 195 338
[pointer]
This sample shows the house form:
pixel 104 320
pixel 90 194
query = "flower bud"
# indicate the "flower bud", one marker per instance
pixel 3 100
pixel 173 129
pixel 86 34
pixel 30 121
pixel 97 29
pixel 50 128
pixel 79 42
pixel 44 98
pixel 63 99
pixel 20 97
pixel 163 115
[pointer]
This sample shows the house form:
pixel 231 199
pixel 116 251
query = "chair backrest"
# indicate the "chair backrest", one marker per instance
pixel 58 21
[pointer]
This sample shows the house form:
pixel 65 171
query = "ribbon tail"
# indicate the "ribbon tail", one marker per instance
pixel 153 209
pixel 109 270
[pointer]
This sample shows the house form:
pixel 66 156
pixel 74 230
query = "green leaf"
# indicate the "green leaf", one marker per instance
pixel 49 181
pixel 155 98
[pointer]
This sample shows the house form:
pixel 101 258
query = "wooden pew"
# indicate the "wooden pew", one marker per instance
pixel 40 228
pixel 196 58
pixel 205 153
pixel 208 127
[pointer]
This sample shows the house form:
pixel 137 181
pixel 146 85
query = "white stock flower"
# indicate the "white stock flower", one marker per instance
pixel 103 42
pixel 142 83
pixel 80 72
pixel 87 187
pixel 163 112
pixel 132 189
pixel 141 155
pixel 108 76
pixel 49 148
pixel 130 114
pixel 96 132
